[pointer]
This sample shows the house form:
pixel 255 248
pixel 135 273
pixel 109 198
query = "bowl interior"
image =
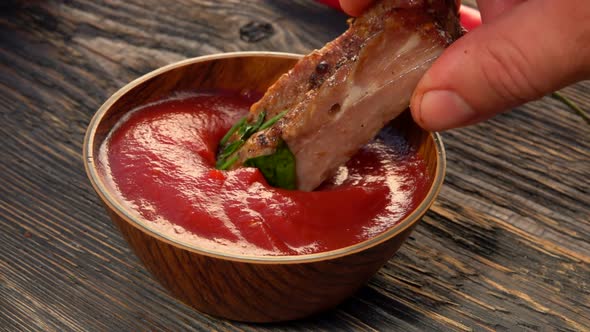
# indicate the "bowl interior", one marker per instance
pixel 253 71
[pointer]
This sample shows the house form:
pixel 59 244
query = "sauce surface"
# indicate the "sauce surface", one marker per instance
pixel 159 160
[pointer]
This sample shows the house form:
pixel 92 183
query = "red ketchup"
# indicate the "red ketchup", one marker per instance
pixel 160 161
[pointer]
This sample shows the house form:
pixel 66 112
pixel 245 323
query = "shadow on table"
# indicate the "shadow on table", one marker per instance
pixel 367 309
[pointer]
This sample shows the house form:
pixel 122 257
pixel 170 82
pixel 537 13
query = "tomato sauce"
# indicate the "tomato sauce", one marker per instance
pixel 159 161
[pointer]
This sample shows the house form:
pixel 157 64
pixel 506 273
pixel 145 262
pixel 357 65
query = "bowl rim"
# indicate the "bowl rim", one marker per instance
pixel 125 214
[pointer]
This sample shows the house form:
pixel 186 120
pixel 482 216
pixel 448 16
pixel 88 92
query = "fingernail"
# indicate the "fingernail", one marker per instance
pixel 443 109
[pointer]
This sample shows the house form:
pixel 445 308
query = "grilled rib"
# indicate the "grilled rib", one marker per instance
pixel 339 97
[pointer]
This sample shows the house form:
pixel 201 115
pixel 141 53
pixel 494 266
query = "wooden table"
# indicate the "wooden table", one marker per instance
pixel 506 246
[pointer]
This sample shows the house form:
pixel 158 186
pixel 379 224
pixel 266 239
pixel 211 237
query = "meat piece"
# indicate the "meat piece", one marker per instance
pixel 339 97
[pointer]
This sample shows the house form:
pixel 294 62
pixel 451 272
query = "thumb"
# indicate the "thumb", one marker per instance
pixel 529 51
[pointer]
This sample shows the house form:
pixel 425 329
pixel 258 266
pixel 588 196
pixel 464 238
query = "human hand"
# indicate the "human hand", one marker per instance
pixel 523 51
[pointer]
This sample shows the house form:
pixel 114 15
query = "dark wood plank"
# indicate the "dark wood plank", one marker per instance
pixel 506 247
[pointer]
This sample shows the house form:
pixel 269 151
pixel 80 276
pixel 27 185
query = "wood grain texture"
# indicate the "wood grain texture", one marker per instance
pixel 506 246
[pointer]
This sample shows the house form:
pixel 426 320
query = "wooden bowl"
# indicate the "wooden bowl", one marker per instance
pixel 247 288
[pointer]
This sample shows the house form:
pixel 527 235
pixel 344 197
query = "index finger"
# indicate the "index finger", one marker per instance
pixel 355 7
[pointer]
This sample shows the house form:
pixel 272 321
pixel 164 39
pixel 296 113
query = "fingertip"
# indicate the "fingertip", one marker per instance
pixel 439 110
pixel 415 104
pixel 470 17
pixel 355 7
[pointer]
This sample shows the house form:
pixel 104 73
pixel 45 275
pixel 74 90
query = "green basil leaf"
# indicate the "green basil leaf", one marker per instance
pixel 278 168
